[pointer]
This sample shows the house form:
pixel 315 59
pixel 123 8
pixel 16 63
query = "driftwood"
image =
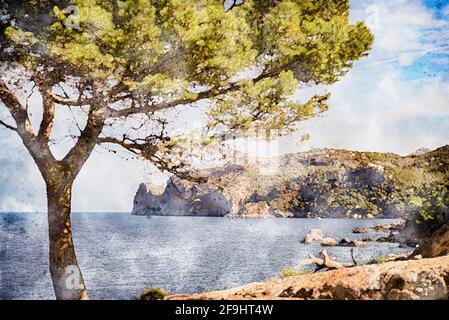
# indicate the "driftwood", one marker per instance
pixel 328 262
pixel 324 261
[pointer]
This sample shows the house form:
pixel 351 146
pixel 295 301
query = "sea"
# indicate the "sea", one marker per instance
pixel 121 254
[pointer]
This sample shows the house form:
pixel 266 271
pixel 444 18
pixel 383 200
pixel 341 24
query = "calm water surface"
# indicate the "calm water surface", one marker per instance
pixel 120 254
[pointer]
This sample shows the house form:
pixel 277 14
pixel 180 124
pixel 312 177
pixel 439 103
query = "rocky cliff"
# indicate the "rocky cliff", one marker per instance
pixel 326 183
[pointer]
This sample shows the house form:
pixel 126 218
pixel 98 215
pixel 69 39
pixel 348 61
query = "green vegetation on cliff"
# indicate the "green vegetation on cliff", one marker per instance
pixel 340 183
pixel 325 183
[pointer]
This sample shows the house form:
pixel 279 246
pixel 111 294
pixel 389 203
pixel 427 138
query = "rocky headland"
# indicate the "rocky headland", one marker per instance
pixel 324 183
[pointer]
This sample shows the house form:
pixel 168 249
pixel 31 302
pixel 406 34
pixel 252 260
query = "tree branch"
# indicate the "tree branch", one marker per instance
pixel 69 102
pixel 126 145
pixel 20 115
pixel 88 138
pixel 4 124
pixel 38 150
pixel 157 107
pixel 48 114
pixel 208 94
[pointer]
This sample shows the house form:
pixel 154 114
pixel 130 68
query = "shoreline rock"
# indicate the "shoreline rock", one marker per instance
pixel 313 235
pixel 422 279
pixel 355 243
pixel 328 242
pixel 359 230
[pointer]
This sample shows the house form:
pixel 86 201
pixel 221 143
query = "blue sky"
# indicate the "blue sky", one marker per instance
pixel 434 62
pixel 395 100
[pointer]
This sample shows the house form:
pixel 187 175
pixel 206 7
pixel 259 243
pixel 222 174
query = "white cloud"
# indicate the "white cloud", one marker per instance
pixel 380 112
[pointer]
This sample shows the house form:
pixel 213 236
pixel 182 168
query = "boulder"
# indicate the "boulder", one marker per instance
pixel 313 235
pixel 394 226
pixel 346 242
pixel 424 285
pixel 359 230
pixel 384 239
pixel 383 227
pixel 399 224
pixel 359 243
pixel 328 242
pixel 437 245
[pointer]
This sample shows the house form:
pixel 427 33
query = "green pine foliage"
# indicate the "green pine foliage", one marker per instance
pixel 165 48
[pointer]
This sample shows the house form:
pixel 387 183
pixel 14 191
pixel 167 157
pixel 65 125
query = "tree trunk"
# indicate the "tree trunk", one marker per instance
pixel 68 282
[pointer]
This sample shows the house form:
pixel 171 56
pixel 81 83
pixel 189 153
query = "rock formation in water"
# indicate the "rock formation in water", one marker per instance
pixel 181 197
pixel 325 183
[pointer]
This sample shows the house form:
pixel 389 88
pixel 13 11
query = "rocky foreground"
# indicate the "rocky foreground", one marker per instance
pixel 417 279
pixel 326 183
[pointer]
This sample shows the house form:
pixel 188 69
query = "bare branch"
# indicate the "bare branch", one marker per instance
pixel 74 120
pixel 61 139
pixel 29 96
pixel 4 124
pixel 121 142
pixel 63 90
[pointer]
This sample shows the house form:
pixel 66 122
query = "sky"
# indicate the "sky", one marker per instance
pixel 394 100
